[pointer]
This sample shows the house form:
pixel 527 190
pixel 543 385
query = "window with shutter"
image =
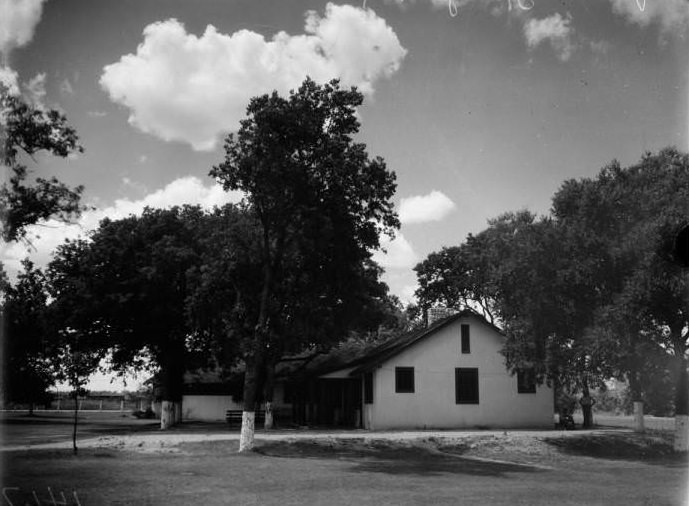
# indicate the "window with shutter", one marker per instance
pixel 466 385
pixel 404 380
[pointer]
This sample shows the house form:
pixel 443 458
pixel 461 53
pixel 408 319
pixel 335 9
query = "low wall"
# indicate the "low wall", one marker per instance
pixel 208 408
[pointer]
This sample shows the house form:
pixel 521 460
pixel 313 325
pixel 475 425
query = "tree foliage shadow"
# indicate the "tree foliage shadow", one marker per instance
pixel 649 449
pixel 386 457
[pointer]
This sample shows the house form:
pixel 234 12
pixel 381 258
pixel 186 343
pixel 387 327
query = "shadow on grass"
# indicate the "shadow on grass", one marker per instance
pixel 650 449
pixel 389 458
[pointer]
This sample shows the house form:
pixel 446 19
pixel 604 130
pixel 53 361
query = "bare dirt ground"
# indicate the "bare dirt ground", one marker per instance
pixel 199 464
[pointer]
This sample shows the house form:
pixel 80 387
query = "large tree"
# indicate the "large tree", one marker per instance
pixel 321 203
pixel 129 286
pixel 547 303
pixel 632 215
pixel 27 350
pixel 26 130
pixel 227 287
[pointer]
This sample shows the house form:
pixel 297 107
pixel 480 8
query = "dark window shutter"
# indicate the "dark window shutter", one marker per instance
pixel 526 381
pixel 466 385
pixel 368 388
pixel 466 340
pixel 404 380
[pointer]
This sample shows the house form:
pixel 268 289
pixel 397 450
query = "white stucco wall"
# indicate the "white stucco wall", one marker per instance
pixel 211 408
pixel 208 408
pixel 432 405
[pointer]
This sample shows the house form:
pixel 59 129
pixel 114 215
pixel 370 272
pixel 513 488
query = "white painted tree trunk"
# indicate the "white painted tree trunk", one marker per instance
pixel 268 422
pixel 639 416
pixel 167 414
pixel 681 433
pixel 246 438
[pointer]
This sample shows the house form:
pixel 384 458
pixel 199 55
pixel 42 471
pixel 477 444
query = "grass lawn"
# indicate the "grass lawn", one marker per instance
pixel 617 468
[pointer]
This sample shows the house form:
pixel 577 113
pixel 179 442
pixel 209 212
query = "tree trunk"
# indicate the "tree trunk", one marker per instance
pixel 74 428
pixel 255 362
pixel 172 383
pixel 246 438
pixel 178 412
pixel 681 403
pixel 639 417
pixel 587 407
pixel 167 414
pixel 635 388
pixel 268 388
pixel 251 376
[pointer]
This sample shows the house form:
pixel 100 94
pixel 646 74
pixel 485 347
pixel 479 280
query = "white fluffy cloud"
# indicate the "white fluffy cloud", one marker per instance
pixel 17 22
pixel 554 29
pixel 423 208
pixel 181 87
pixel 408 294
pixel 398 254
pixel 46 236
pixel 670 14
pixel 9 79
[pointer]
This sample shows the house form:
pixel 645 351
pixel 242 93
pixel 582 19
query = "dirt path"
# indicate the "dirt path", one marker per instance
pixel 159 441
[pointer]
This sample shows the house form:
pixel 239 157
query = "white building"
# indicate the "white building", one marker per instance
pixel 449 375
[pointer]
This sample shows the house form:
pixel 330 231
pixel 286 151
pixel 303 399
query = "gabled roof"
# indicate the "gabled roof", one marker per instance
pixel 397 345
pixel 363 357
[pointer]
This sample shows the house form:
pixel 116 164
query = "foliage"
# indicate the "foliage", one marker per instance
pixel 631 216
pixel 590 292
pixel 320 203
pixel 27 372
pixel 29 129
pixel 127 288
pixel 319 200
pixel 460 277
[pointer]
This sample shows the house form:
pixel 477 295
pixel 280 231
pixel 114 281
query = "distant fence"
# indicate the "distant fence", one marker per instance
pixel 113 403
pixel 650 422
pixel 627 421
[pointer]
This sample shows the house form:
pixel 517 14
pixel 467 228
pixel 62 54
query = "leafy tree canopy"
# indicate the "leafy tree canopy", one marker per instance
pixel 321 204
pixel 27 129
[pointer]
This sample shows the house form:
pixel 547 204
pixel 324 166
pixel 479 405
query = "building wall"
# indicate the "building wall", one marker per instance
pixel 211 408
pixel 208 408
pixel 432 404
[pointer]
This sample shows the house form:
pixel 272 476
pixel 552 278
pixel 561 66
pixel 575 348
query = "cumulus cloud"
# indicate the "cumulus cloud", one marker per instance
pixel 399 253
pixel 423 208
pixel 9 79
pixel 181 87
pixel 17 23
pixel 408 294
pixel 554 29
pixel 670 14
pixel 46 236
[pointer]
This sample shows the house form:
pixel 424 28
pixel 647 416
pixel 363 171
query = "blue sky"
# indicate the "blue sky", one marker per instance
pixel 479 106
